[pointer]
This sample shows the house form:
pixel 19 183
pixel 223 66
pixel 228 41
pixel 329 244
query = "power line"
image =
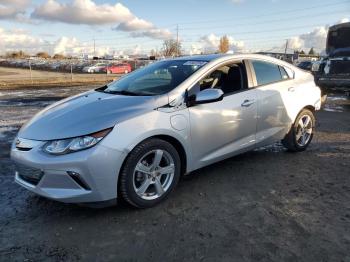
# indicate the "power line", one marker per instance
pixel 282 12
pixel 261 22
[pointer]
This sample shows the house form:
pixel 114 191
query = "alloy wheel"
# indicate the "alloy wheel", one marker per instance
pixel 304 130
pixel 153 174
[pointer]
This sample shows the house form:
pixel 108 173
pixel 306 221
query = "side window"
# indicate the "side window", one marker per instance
pixel 266 72
pixel 283 73
pixel 229 78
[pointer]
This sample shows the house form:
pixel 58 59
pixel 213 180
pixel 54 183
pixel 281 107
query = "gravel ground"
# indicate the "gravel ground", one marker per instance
pixel 266 205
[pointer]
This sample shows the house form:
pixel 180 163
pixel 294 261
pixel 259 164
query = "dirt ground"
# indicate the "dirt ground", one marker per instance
pixel 22 78
pixel 266 205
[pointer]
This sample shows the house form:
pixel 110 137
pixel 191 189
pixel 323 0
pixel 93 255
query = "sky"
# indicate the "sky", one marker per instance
pixel 136 27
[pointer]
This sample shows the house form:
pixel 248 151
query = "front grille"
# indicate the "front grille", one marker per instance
pixel 339 67
pixel 29 175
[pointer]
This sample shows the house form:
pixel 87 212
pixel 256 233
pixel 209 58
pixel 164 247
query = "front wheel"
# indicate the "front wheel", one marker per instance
pixel 301 133
pixel 150 173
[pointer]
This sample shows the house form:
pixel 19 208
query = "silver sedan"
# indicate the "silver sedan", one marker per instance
pixel 135 137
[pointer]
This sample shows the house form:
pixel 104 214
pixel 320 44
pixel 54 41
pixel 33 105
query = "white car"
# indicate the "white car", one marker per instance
pixel 94 68
pixel 135 137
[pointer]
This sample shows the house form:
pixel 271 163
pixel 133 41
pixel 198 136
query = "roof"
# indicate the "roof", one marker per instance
pixel 201 57
pixel 336 27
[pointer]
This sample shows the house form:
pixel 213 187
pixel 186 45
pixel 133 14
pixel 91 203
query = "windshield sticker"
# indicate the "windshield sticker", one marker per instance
pixel 195 63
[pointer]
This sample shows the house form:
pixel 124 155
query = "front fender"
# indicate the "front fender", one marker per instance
pixel 126 135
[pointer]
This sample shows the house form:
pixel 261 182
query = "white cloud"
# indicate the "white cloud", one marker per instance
pixel 210 43
pixel 13 9
pixel 316 38
pixel 18 39
pixel 344 20
pixel 89 13
pixel 82 12
pixel 72 46
pixel 134 25
pixel 155 33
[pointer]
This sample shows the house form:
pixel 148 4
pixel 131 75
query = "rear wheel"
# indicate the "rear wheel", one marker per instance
pixel 150 173
pixel 301 132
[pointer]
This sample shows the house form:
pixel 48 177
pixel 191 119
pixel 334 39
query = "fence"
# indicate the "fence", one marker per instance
pixel 18 72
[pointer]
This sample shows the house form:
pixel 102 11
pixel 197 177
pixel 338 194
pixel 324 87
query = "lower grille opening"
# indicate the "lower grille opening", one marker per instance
pixel 23 148
pixel 34 180
pixel 75 176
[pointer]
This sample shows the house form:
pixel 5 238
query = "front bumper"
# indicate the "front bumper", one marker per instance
pixel 333 81
pixel 82 177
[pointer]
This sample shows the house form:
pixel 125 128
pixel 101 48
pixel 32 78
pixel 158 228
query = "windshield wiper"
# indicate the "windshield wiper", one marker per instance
pixel 101 89
pixel 122 92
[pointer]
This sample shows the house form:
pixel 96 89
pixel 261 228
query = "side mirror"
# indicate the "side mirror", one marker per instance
pixel 209 95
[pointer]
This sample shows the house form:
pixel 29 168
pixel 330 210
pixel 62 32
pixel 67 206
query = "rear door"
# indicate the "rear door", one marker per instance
pixel 276 93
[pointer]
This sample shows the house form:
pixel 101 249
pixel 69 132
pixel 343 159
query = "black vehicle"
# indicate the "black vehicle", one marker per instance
pixel 305 65
pixel 334 70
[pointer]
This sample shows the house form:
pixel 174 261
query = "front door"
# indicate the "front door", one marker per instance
pixel 224 128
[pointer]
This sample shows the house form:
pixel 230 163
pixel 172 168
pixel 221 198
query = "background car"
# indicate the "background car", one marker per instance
pixel 96 68
pixel 123 68
pixel 305 65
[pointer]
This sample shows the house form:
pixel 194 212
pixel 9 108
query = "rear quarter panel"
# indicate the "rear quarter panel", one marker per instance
pixel 307 94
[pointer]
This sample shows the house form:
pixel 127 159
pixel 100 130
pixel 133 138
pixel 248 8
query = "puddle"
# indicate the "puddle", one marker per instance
pixel 337 103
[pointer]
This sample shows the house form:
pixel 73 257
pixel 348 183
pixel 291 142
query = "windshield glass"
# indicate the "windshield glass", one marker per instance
pixel 155 79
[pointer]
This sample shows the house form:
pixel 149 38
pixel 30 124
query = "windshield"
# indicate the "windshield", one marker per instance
pixel 155 79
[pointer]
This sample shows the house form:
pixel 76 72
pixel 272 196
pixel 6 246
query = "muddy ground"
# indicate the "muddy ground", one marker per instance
pixel 266 205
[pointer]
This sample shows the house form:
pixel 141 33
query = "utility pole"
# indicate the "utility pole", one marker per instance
pixel 94 48
pixel 177 40
pixel 285 50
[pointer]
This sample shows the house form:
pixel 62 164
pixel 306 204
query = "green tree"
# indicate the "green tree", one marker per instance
pixel 312 51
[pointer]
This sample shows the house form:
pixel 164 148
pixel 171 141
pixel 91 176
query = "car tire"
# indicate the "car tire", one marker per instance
pixel 301 133
pixel 140 182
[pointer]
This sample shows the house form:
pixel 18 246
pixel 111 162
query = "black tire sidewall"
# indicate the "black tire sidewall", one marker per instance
pixel 126 186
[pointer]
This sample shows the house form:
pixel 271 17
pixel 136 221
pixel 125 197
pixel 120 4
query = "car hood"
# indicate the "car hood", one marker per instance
pixel 85 114
pixel 338 40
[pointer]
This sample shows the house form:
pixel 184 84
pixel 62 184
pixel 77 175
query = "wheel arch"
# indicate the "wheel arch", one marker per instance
pixel 309 107
pixel 171 140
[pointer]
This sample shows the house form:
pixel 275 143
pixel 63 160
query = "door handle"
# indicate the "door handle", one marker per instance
pixel 291 89
pixel 247 103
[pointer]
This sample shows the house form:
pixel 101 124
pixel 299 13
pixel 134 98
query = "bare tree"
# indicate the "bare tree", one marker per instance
pixel 19 54
pixel 43 55
pixel 58 56
pixel 224 44
pixel 171 47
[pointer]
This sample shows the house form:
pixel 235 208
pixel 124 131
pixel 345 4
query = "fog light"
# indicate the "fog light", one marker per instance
pixel 77 178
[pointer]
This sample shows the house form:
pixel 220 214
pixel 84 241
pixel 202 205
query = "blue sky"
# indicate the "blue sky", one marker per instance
pixel 139 26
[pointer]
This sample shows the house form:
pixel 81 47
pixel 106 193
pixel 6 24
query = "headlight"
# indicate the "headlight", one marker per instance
pixel 315 67
pixel 65 146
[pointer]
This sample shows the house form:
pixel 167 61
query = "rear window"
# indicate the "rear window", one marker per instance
pixel 266 72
